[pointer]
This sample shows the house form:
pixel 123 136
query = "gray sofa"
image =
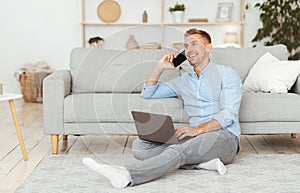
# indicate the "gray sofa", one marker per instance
pixel 102 86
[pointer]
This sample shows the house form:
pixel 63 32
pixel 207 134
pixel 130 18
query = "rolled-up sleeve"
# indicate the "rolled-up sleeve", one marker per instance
pixel 230 99
pixel 160 90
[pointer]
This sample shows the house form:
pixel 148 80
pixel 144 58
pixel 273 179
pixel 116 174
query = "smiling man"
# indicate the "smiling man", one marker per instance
pixel 211 97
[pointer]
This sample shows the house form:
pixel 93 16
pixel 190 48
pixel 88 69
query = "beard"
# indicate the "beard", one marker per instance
pixel 198 59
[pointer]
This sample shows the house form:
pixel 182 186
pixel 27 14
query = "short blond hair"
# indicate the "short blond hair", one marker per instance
pixel 202 33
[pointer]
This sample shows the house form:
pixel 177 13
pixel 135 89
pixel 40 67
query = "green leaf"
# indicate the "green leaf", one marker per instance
pixel 280 24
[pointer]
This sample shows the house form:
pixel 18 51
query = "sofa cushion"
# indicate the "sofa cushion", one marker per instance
pixel 117 107
pixel 102 70
pixel 243 59
pixel 268 107
pixel 86 65
pixel 269 74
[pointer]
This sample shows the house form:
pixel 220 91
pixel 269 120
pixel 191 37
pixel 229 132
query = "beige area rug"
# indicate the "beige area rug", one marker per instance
pixel 248 173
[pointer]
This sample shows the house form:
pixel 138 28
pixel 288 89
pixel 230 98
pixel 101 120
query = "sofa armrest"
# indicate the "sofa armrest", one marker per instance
pixel 56 87
pixel 296 86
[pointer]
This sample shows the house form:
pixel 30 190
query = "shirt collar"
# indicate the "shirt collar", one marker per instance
pixel 205 71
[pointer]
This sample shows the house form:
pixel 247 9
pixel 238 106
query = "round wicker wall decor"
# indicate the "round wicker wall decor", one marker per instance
pixel 109 11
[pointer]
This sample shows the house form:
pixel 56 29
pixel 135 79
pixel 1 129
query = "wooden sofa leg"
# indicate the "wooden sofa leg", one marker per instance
pixel 65 137
pixel 54 140
pixel 293 135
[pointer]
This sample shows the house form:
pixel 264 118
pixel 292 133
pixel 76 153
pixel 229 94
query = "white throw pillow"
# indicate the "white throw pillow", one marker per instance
pixel 269 74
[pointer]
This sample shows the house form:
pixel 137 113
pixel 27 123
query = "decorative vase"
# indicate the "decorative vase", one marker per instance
pixel 132 43
pixel 178 16
pixel 145 17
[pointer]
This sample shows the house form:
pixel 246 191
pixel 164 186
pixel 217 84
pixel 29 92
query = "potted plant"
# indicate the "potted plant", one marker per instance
pixel 281 25
pixel 177 11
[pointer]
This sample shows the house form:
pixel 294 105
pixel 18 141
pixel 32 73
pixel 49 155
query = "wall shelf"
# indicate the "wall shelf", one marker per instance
pixel 120 24
pixel 203 23
pixel 166 24
pixel 162 23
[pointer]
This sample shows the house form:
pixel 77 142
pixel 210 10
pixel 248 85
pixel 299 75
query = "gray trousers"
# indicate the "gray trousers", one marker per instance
pixel 159 159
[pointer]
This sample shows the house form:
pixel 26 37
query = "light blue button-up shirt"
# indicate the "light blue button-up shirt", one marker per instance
pixel 216 94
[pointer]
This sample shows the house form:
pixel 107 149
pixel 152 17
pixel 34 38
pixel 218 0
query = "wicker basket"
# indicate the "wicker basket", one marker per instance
pixel 31 87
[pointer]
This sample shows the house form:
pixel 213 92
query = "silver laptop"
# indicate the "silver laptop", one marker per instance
pixel 154 127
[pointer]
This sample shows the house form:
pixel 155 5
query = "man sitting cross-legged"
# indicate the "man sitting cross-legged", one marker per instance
pixel 211 96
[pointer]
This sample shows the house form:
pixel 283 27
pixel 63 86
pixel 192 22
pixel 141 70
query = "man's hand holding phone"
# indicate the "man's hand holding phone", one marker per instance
pixel 179 58
pixel 166 61
pixel 169 61
pixel 172 60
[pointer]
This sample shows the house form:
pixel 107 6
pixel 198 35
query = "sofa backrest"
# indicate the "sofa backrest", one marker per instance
pixel 242 59
pixel 102 70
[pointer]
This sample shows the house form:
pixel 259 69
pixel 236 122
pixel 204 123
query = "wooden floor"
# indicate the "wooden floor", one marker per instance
pixel 14 170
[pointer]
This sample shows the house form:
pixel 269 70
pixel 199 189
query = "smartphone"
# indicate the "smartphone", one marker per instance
pixel 179 59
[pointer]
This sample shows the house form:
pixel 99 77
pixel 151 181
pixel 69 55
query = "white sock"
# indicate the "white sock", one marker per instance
pixel 118 176
pixel 214 164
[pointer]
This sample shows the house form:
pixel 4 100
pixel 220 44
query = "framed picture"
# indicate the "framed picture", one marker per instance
pixel 224 12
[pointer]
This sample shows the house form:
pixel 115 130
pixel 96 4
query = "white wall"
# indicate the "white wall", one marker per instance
pixel 35 30
pixel 252 22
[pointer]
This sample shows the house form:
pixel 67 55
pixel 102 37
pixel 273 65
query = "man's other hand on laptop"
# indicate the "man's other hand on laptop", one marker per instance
pixel 185 131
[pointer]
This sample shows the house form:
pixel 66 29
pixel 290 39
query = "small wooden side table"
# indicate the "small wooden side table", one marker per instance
pixel 10 98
